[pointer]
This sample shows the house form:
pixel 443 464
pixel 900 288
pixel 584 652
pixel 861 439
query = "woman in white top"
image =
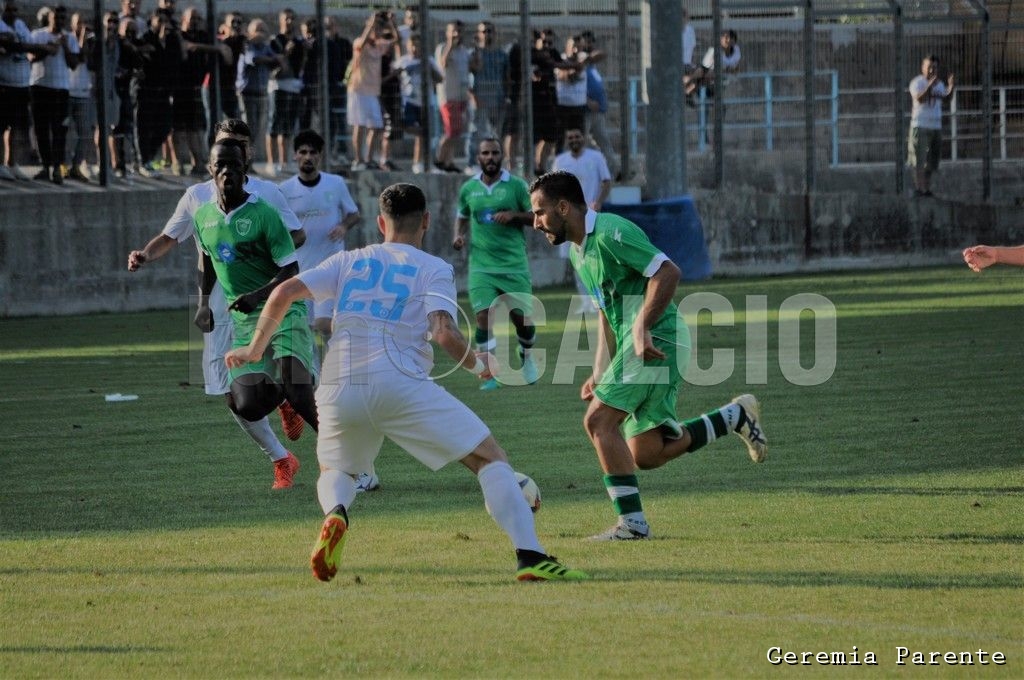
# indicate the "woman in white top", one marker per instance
pixel 703 74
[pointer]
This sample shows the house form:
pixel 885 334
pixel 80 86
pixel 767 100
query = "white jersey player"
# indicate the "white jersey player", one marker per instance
pixel 217 341
pixel 392 299
pixel 325 207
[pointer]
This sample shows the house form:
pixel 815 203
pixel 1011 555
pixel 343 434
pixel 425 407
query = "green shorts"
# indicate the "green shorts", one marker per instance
pixel 923 147
pixel 293 338
pixel 484 288
pixel 649 390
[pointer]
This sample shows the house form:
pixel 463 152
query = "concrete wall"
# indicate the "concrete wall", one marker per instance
pixel 64 250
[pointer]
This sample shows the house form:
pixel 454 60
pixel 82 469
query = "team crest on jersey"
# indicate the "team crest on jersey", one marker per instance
pixel 243 226
pixel 226 253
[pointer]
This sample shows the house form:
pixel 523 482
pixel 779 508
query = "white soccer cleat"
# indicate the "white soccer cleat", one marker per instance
pixel 623 532
pixel 367 482
pixel 750 428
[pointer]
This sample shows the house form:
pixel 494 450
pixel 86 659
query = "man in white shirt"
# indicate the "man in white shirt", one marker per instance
pixel 324 205
pixel 926 93
pixel 452 94
pixel 213 317
pixel 591 168
pixel 376 381
pixel 15 73
pixel 50 85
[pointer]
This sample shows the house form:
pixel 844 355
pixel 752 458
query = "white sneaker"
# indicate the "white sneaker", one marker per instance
pixel 18 174
pixel 750 428
pixel 358 165
pixel 417 168
pixel 623 532
pixel 367 482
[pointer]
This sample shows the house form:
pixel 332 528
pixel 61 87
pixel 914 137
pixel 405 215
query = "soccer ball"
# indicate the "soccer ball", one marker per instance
pixel 531 492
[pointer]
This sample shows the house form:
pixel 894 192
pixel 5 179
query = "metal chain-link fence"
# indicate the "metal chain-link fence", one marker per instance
pixel 816 86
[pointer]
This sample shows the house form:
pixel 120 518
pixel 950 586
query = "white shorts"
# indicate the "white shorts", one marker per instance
pixel 419 415
pixel 364 111
pixel 217 344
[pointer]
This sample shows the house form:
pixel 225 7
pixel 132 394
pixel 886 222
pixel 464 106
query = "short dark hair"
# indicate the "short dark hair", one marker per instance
pixel 403 204
pixel 233 126
pixel 231 144
pixel 560 185
pixel 932 58
pixel 308 137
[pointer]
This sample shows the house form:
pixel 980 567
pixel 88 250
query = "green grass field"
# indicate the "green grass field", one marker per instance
pixel 141 539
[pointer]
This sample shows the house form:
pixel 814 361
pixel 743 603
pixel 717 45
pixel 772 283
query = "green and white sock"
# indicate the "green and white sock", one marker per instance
pixel 710 426
pixel 625 494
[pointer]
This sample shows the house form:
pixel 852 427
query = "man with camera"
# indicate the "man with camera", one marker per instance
pixel 364 80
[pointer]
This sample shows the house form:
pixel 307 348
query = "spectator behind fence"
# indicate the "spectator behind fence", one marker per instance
pixel 231 36
pixel 703 75
pixel 162 58
pixel 543 59
pixel 491 82
pixel 51 80
pixel 189 115
pixel 571 90
pixel 82 105
pixel 130 11
pixel 286 84
pixel 15 76
pixel 597 102
pixel 452 94
pixel 390 104
pixel 689 43
pixel 126 86
pixel 253 78
pixel 339 55
pixel 310 95
pixel 924 145
pixel 410 66
pixel 512 128
pixel 364 76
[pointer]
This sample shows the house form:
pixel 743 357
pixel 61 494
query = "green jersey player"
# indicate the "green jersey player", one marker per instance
pixel 493 207
pixel 642 353
pixel 247 247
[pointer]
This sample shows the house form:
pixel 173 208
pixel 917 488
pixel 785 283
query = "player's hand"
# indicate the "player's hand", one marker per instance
pixel 337 233
pixel 245 303
pixel 136 259
pixel 587 390
pixel 979 257
pixel 503 217
pixel 241 356
pixel 643 344
pixel 458 242
pixel 204 319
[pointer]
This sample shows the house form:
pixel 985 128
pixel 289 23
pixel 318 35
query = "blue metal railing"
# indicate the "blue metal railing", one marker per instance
pixel 770 121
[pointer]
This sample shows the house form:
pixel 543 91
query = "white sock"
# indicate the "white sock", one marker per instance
pixel 731 415
pixel 335 488
pixel 505 503
pixel 264 437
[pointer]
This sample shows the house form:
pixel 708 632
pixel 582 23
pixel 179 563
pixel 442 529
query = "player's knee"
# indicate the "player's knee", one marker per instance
pixel 599 421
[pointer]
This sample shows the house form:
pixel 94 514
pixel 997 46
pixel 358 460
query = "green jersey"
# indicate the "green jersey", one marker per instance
pixel 248 246
pixel 495 248
pixel 614 263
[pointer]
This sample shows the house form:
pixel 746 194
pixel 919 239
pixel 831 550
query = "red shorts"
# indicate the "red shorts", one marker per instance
pixel 453 117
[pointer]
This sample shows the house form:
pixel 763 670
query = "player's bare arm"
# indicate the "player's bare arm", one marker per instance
pixel 282 297
pixel 447 335
pixel 459 235
pixel 979 257
pixel 349 221
pixel 207 278
pixel 660 289
pixel 157 247
pixel 247 302
pixel 513 217
pixel 603 354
